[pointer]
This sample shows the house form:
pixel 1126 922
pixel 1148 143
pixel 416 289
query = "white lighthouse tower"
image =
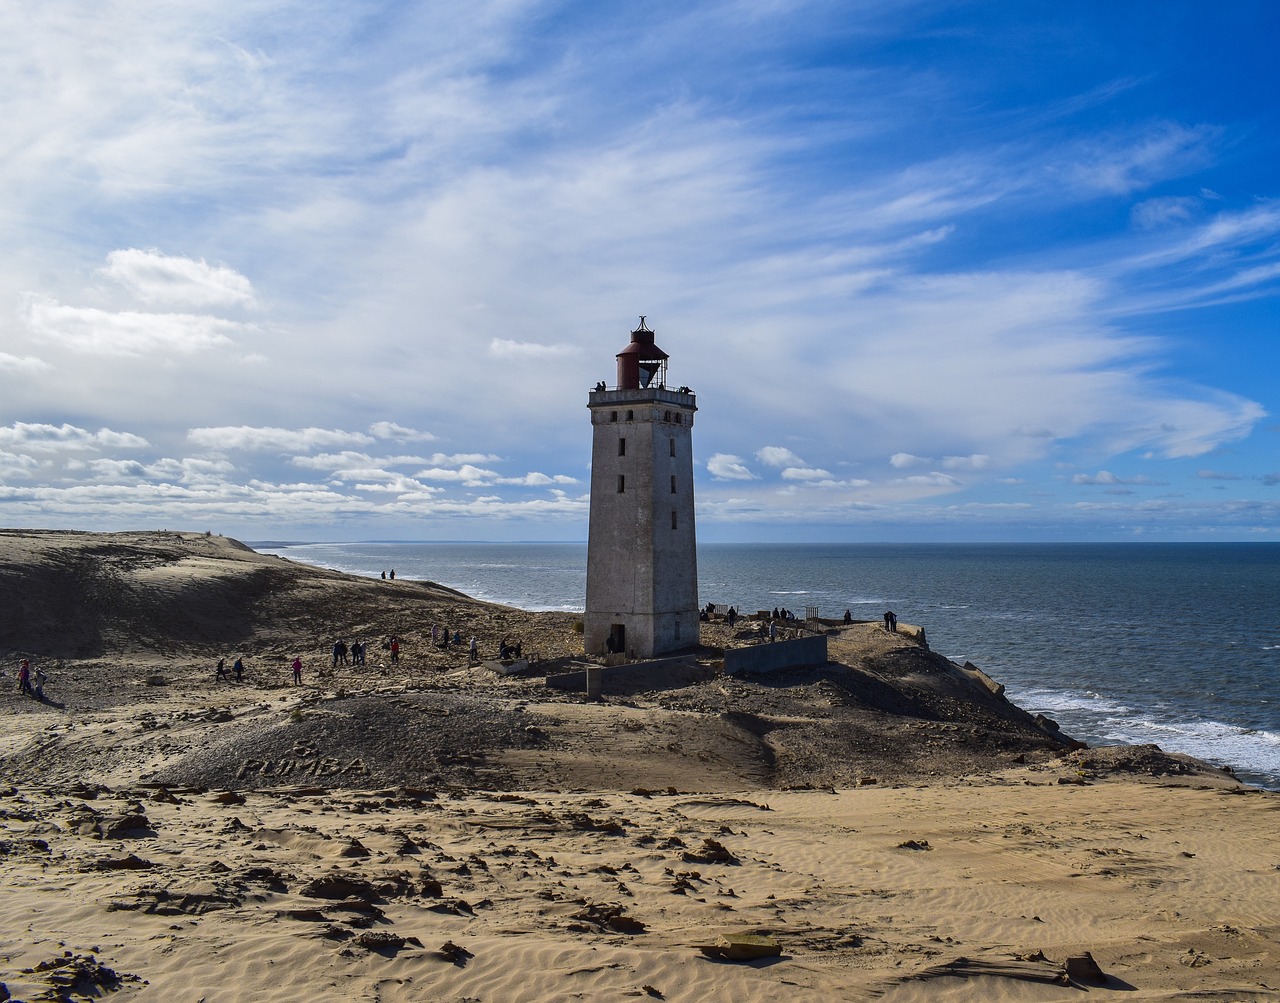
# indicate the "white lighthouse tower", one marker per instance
pixel 642 564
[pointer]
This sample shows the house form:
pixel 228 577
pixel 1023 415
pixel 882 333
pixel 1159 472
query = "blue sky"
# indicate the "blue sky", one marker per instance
pixel 936 271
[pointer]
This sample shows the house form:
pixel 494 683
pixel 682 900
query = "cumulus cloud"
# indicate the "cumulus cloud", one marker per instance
pixel 727 467
pixel 156 278
pixel 276 440
pixel 779 456
pixel 805 474
pixel 92 331
pixel 467 474
pixel 537 480
pixel 398 433
pixel 34 436
pixel 901 461
pixel 16 465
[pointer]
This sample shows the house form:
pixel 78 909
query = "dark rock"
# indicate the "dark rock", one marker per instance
pixel 127 863
pixel 712 851
pixel 1082 968
pixel 379 940
pixel 339 886
pixel 126 826
pixel 454 954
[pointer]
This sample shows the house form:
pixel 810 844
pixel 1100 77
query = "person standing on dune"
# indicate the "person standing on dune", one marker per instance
pixel 297 672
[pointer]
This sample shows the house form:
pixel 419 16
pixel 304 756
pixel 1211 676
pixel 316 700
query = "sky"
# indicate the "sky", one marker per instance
pixel 936 271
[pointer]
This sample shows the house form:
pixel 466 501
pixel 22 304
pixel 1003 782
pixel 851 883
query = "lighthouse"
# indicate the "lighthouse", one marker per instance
pixel 642 564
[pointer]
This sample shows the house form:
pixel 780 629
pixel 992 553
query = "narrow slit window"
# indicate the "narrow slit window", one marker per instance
pixel 673 518
pixel 622 447
pixel 673 483
pixel 671 444
pixel 622 483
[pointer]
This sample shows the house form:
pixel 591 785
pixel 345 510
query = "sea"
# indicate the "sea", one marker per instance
pixel 1176 644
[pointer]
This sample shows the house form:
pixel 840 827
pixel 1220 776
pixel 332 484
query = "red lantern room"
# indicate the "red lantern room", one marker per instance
pixel 641 364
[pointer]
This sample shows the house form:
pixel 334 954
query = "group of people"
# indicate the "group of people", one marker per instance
pixel 355 653
pixel 442 639
pixel 389 574
pixel 731 615
pixel 768 628
pixel 31 683
pixel 237 669
pixel 341 653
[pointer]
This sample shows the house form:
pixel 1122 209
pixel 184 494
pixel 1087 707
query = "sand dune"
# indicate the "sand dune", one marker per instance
pixel 878 829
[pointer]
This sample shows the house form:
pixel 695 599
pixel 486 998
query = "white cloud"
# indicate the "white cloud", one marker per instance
pixel 1106 477
pixel 93 331
pixel 726 467
pixel 504 348
pixel 467 474
pixel 275 440
pixel 1158 212
pixel 537 480
pixel 349 462
pixel 17 465
pixel 159 278
pixel 398 433
pixel 1120 164
pixel 57 438
pixel 805 474
pixel 902 461
pixel 779 456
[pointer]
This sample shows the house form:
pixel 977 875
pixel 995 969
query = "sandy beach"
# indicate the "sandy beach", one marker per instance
pixel 883 827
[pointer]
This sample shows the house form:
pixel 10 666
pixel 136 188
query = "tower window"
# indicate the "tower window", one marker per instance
pixel 671 444
pixel 622 483
pixel 666 415
pixel 673 483
pixel 622 447
pixel 679 418
pixel 673 518
pixel 613 415
pixel 631 415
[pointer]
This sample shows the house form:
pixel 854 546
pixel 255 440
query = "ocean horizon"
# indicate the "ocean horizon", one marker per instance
pixel 1176 644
